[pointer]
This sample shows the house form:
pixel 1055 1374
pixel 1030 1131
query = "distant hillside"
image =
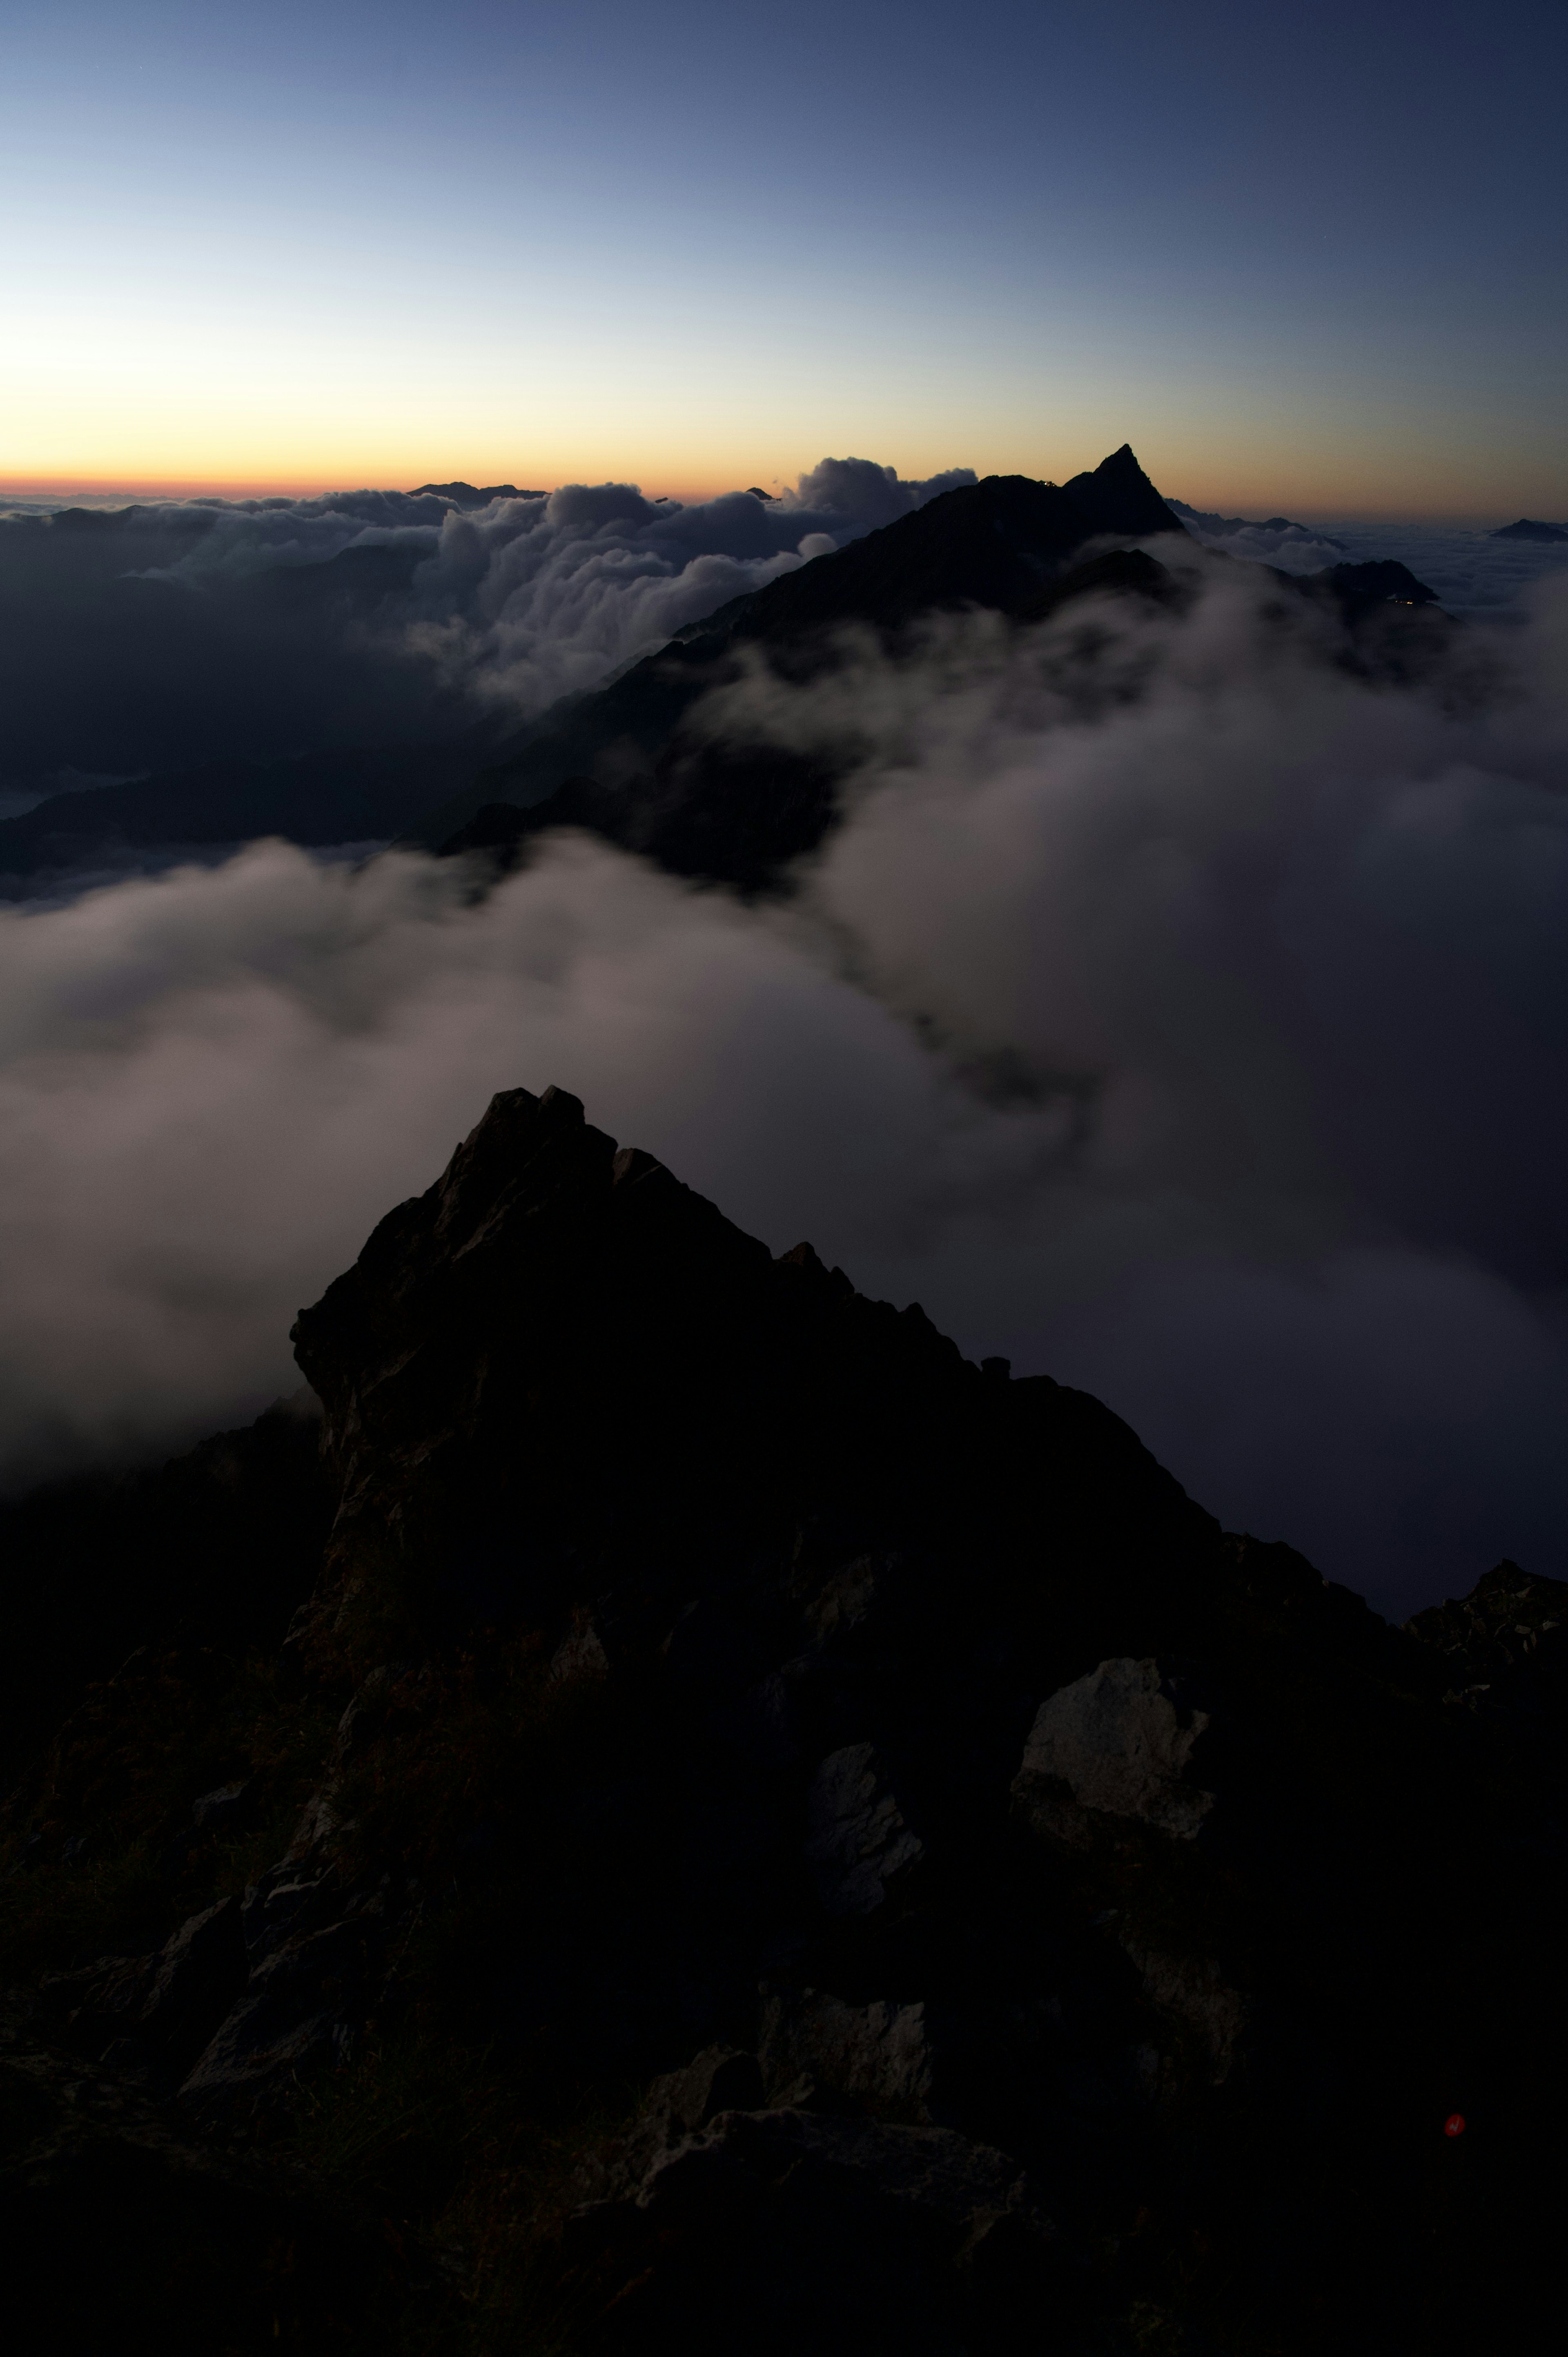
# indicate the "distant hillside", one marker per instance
pixel 319 798
pixel 623 763
pixel 1004 544
pixel 1527 529
pixel 1207 523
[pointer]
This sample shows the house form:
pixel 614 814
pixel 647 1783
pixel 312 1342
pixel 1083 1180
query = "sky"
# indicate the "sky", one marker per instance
pixel 1309 260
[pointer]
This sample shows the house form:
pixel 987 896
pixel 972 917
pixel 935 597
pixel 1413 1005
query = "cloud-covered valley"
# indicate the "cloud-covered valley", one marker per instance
pixel 1203 1041
pixel 164 636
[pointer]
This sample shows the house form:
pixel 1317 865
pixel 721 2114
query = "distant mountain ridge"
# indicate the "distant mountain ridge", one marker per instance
pixel 1527 529
pixel 615 759
pixel 1244 523
pixel 474 495
pixel 1005 544
pixel 319 799
pixel 622 764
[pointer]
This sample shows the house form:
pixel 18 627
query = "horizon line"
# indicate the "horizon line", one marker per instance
pixel 135 488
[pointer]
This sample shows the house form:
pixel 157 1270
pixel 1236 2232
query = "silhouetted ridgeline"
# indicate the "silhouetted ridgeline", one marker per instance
pixel 626 765
pixel 619 761
pixel 762 1836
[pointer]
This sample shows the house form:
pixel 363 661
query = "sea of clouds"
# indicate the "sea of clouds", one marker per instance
pixel 162 636
pixel 1472 571
pixel 1206 1047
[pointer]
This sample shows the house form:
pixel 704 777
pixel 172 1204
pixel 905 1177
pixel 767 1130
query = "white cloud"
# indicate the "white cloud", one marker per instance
pixel 1206 1046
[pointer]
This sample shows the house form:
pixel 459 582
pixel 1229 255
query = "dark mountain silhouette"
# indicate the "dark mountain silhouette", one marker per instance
pixel 762 1836
pixel 1377 583
pixel 473 495
pixel 738 813
pixel 350 796
pixel 1527 529
pixel 727 811
pixel 621 761
pixel 999 545
pixel 1210 523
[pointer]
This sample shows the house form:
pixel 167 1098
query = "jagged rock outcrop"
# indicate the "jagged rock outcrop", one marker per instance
pixel 781 2230
pixel 1503 1652
pixel 1013 1898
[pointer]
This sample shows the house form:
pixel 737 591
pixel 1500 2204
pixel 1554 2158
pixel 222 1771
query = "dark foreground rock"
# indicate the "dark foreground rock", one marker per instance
pixel 809 1843
pixel 121 2231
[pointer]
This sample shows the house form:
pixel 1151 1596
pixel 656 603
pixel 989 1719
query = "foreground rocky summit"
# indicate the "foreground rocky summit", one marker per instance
pixel 765 1836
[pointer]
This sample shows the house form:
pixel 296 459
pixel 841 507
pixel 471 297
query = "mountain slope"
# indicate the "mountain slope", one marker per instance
pixel 319 799
pixel 996 543
pixel 820 1845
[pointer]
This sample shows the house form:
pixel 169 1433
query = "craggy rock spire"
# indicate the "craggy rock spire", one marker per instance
pixel 909 1879
pixel 561 1370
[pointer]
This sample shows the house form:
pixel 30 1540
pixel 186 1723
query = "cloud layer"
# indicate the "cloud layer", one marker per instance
pixel 1208 1047
pixel 160 636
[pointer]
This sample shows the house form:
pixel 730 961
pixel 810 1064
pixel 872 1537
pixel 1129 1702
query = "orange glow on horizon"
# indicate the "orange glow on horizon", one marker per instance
pixel 305 487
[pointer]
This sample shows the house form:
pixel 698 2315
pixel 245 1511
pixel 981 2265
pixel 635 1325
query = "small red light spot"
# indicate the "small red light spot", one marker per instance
pixel 1454 2123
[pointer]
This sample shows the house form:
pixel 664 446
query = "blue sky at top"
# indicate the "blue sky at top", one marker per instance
pixel 1317 256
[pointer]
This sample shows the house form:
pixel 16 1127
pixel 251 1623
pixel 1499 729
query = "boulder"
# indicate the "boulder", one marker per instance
pixel 1114 1743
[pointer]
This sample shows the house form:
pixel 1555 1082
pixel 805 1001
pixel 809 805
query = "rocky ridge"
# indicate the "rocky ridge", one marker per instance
pixel 924 1883
pixel 638 764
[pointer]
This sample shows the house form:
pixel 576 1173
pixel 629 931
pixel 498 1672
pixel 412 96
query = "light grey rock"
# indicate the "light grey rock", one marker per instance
pixel 858 1840
pixel 1114 1742
pixel 682 2102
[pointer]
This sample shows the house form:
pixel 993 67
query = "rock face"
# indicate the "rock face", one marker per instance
pixel 119 2229
pixel 1117 1743
pixel 916 1882
pixel 780 2230
pixel 814 2047
pixel 858 1844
